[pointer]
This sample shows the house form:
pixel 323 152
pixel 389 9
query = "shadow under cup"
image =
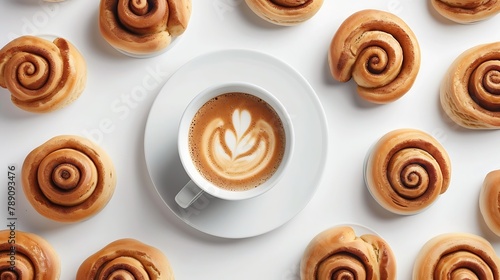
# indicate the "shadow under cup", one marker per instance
pixel 240 127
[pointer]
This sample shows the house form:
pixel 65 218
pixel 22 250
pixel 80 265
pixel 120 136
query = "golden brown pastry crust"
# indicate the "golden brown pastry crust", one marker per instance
pixel 337 252
pixel 466 11
pixel 379 51
pixel 406 171
pixel 127 258
pixel 470 89
pixel 143 27
pixel 489 203
pixel 457 256
pixel 68 178
pixel 42 76
pixel 285 12
pixel 33 257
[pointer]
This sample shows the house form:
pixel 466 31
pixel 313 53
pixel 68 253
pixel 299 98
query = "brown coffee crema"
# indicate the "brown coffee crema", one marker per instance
pixel 237 141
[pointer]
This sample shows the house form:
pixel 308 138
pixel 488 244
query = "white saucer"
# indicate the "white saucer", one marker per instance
pixel 266 212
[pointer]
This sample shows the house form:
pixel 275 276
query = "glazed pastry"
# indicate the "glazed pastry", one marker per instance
pixel 42 76
pixel 470 90
pixel 406 171
pixel 27 256
pixel 337 253
pixel 145 26
pixel 466 11
pixel 285 12
pixel 68 178
pixel 489 204
pixel 457 256
pixel 126 259
pixel 379 52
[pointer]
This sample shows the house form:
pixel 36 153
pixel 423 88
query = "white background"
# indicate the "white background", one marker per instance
pixel 353 125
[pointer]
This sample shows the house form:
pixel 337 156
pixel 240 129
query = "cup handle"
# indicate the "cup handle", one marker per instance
pixel 188 194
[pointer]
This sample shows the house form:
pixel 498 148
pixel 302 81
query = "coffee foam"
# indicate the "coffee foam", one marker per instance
pixel 237 141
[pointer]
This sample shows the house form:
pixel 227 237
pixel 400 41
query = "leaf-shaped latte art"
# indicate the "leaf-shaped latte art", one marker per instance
pixel 126 259
pixel 240 142
pixel 457 256
pixel 407 170
pixel 470 90
pixel 68 178
pixel 285 12
pixel 338 254
pixel 143 26
pixel 30 257
pixel 239 150
pixel 379 51
pixel 41 75
pixel 466 11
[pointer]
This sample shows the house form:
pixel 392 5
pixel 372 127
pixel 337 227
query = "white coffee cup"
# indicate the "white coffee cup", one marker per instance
pixel 199 184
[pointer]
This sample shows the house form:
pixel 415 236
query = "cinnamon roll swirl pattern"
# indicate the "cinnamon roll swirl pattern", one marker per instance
pixel 489 203
pixel 145 26
pixel 470 90
pixel 407 170
pixel 285 12
pixel 457 256
pixel 68 178
pixel 126 259
pixel 29 257
pixel 466 11
pixel 379 51
pixel 338 254
pixel 42 76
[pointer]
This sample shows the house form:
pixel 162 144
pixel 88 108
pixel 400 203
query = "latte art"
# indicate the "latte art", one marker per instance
pixel 237 141
pixel 242 151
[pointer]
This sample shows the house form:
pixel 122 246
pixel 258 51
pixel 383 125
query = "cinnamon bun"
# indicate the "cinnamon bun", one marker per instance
pixel 470 90
pixel 489 204
pixel 285 12
pixel 338 253
pixel 466 11
pixel 68 178
pixel 25 255
pixel 42 75
pixel 457 256
pixel 144 27
pixel 379 51
pixel 406 171
pixel 126 259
